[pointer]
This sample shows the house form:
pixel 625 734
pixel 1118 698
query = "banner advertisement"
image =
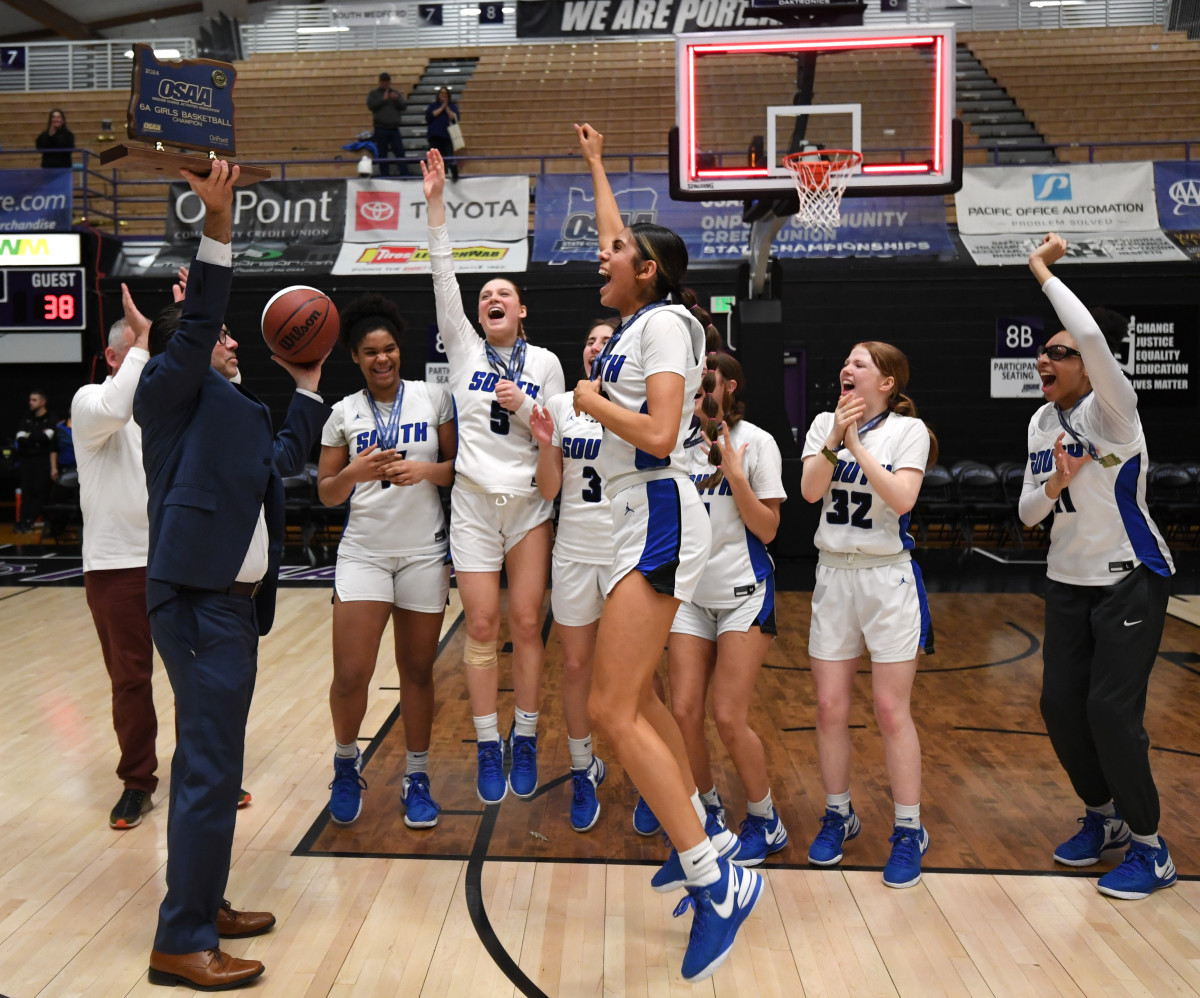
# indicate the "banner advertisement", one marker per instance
pixel 248 258
pixel 1082 247
pixel 385 226
pixel 271 212
pixel 1080 197
pixel 1178 189
pixel 1160 351
pixel 368 15
pixel 36 200
pixel 565 224
pixel 565 18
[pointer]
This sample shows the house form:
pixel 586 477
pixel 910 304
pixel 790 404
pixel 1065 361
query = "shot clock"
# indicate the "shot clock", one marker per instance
pixel 42 299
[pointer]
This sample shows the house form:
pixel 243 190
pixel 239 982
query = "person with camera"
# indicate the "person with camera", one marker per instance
pixel 439 116
pixel 386 106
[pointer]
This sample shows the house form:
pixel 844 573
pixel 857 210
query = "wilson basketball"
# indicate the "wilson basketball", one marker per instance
pixel 300 324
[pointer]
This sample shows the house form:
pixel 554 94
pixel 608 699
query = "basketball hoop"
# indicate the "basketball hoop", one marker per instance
pixel 820 176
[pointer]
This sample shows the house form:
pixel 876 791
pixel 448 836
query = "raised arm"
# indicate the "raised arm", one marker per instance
pixel 458 335
pixel 1118 400
pixel 608 217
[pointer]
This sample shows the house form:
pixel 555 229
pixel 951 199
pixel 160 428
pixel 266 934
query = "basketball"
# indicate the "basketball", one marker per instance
pixel 300 324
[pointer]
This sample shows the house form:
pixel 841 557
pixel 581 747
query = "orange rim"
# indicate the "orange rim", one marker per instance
pixel 812 169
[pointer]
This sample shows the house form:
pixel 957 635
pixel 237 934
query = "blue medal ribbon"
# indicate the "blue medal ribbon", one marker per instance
pixel 598 363
pixel 387 432
pixel 515 367
pixel 1077 437
pixel 873 422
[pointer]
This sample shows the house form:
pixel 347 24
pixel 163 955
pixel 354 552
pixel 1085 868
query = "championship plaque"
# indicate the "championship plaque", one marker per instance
pixel 188 104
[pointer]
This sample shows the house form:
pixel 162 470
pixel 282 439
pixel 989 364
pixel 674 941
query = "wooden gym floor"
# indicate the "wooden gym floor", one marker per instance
pixel 510 900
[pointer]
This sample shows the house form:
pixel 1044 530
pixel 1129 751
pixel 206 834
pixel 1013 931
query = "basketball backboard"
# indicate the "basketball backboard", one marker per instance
pixel 744 100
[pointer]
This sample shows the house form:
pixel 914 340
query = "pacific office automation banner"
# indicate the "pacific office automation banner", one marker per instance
pixel 564 18
pixel 385 229
pixel 35 200
pixel 1088 197
pixel 272 211
pixel 565 226
pixel 1178 188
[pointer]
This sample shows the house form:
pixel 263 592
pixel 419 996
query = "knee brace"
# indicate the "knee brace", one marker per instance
pixel 480 654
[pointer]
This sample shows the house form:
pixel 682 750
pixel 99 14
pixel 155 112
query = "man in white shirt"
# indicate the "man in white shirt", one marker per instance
pixel 112 495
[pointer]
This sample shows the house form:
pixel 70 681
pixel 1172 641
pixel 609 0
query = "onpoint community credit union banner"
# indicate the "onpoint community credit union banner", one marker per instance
pixel 385 228
pixel 1106 212
pixel 1178 188
pixel 563 18
pixel 565 226
pixel 35 200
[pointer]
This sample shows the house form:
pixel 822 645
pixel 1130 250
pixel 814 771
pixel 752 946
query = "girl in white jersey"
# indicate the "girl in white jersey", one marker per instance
pixel 497 517
pixel 1108 575
pixel 386 449
pixel 721 637
pixel 864 463
pixel 568 452
pixel 641 394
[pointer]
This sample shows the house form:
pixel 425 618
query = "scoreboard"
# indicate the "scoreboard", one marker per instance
pixel 32 300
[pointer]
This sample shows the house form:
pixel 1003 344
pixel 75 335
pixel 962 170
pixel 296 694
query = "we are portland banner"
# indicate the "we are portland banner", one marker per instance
pixel 565 223
pixel 583 18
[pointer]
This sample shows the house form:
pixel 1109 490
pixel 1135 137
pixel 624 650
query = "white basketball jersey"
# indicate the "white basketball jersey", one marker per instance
pixel 1102 528
pixel 854 520
pixel 396 520
pixel 496 452
pixel 584 521
pixel 739 559
pixel 661 339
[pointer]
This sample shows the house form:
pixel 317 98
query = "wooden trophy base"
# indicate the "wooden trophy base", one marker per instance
pixel 168 163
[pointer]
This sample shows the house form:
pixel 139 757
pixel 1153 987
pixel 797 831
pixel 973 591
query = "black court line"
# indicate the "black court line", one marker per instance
pixel 813 727
pixel 1043 734
pixel 1033 646
pixel 19 592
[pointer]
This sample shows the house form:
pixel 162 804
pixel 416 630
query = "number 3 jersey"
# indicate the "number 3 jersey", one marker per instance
pixel 584 521
pixel 738 559
pixel 400 519
pixel 496 452
pixel 854 520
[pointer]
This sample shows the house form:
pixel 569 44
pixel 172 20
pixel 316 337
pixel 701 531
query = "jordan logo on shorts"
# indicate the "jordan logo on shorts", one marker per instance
pixel 629 509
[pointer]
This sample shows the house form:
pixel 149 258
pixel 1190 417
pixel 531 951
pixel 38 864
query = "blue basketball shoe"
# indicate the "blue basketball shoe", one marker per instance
pixel 585 809
pixel 420 809
pixel 345 797
pixel 836 830
pixel 522 776
pixel 720 909
pixel 491 786
pixel 759 838
pixel 904 865
pixel 1144 870
pixel 1098 834
pixel 644 821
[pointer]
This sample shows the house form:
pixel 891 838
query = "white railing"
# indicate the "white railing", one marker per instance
pixel 92 65
pixel 287 28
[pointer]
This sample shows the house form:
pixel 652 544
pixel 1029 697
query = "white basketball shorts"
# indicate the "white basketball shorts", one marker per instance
pixel 577 596
pixel 420 584
pixel 879 608
pixel 484 527
pixel 756 610
pixel 660 529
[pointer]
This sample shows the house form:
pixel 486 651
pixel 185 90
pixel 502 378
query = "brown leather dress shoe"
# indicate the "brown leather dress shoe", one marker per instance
pixel 208 970
pixel 233 924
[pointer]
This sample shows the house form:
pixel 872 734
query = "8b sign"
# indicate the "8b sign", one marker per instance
pixel 1019 336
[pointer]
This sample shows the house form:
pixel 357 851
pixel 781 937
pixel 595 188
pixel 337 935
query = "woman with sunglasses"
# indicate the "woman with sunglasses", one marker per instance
pixel 864 462
pixel 1108 572
pixel 641 392
pixel 497 518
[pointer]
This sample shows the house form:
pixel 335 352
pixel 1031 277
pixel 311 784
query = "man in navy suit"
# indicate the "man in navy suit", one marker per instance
pixel 213 474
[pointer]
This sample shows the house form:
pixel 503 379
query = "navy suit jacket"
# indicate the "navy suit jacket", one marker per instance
pixel 212 458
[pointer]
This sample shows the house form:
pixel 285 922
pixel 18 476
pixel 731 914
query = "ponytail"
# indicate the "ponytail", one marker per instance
pixel 731 406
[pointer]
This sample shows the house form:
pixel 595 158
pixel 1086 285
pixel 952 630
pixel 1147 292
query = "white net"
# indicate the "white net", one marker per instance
pixel 820 179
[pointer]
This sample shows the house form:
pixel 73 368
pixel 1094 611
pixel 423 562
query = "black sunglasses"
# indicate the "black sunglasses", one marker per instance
pixel 1058 351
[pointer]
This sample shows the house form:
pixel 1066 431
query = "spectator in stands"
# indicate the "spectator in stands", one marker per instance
pixel 439 116
pixel 64 444
pixel 35 445
pixel 1108 578
pixel 386 106
pixel 56 136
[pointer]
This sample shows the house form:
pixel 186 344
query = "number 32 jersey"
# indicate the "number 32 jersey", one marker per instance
pixel 854 520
